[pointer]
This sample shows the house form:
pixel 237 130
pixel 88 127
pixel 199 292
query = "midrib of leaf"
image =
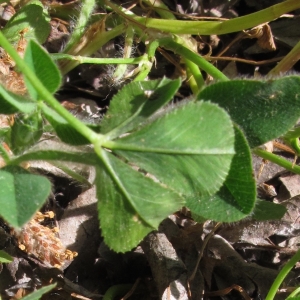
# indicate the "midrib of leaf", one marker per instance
pixel 106 162
pixel 173 134
pixel 120 129
pixel 139 148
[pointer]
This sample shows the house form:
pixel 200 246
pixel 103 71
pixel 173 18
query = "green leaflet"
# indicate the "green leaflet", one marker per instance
pixel 189 149
pixel 236 198
pixel 264 110
pixel 21 194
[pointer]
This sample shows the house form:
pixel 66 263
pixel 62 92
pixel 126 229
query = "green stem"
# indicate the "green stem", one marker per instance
pixel 99 61
pixel 287 62
pixel 44 93
pixel 104 157
pixel 220 27
pixel 192 56
pixel 121 69
pixel 117 290
pixel 144 70
pixel 293 294
pixel 194 77
pixel 75 175
pixel 87 7
pixel 92 40
pixel 277 160
pixel 282 274
pixel 293 133
pixel 146 66
pixel 4 155
pixel 294 143
pixel 160 8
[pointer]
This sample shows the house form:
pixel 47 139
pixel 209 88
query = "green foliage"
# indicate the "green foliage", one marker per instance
pixel 159 159
pixel 26 131
pixel 12 103
pixel 258 107
pixel 5 257
pixel 177 139
pixel 151 157
pixel 42 65
pixel 63 129
pixel 265 210
pixel 33 19
pixel 118 290
pixel 182 138
pixel 282 275
pixel 21 194
pixel 236 198
pixel 37 295
pixel 135 203
pixel 136 103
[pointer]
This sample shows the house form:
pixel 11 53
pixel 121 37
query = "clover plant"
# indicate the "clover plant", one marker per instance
pixel 151 157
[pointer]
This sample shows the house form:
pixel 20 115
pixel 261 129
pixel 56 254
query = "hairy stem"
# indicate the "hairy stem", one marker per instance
pixel 44 93
pixel 277 160
pixel 281 276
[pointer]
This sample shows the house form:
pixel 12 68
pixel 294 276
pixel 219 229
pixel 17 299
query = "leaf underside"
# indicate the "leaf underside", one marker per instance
pixel 188 149
pixel 131 207
pixel 151 172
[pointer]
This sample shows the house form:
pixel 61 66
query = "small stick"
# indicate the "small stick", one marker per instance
pixel 202 250
pixel 132 289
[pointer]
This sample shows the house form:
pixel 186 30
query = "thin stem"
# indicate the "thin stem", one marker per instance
pixel 4 155
pixel 293 133
pixel 103 155
pixel 206 240
pixel 192 56
pixel 44 93
pixel 99 61
pixel 87 7
pixel 71 173
pixel 277 160
pixel 294 143
pixel 121 69
pixel 293 294
pixel 195 78
pixel 146 67
pixel 160 8
pixel 282 274
pixel 94 38
pixel 219 27
pixel 287 62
